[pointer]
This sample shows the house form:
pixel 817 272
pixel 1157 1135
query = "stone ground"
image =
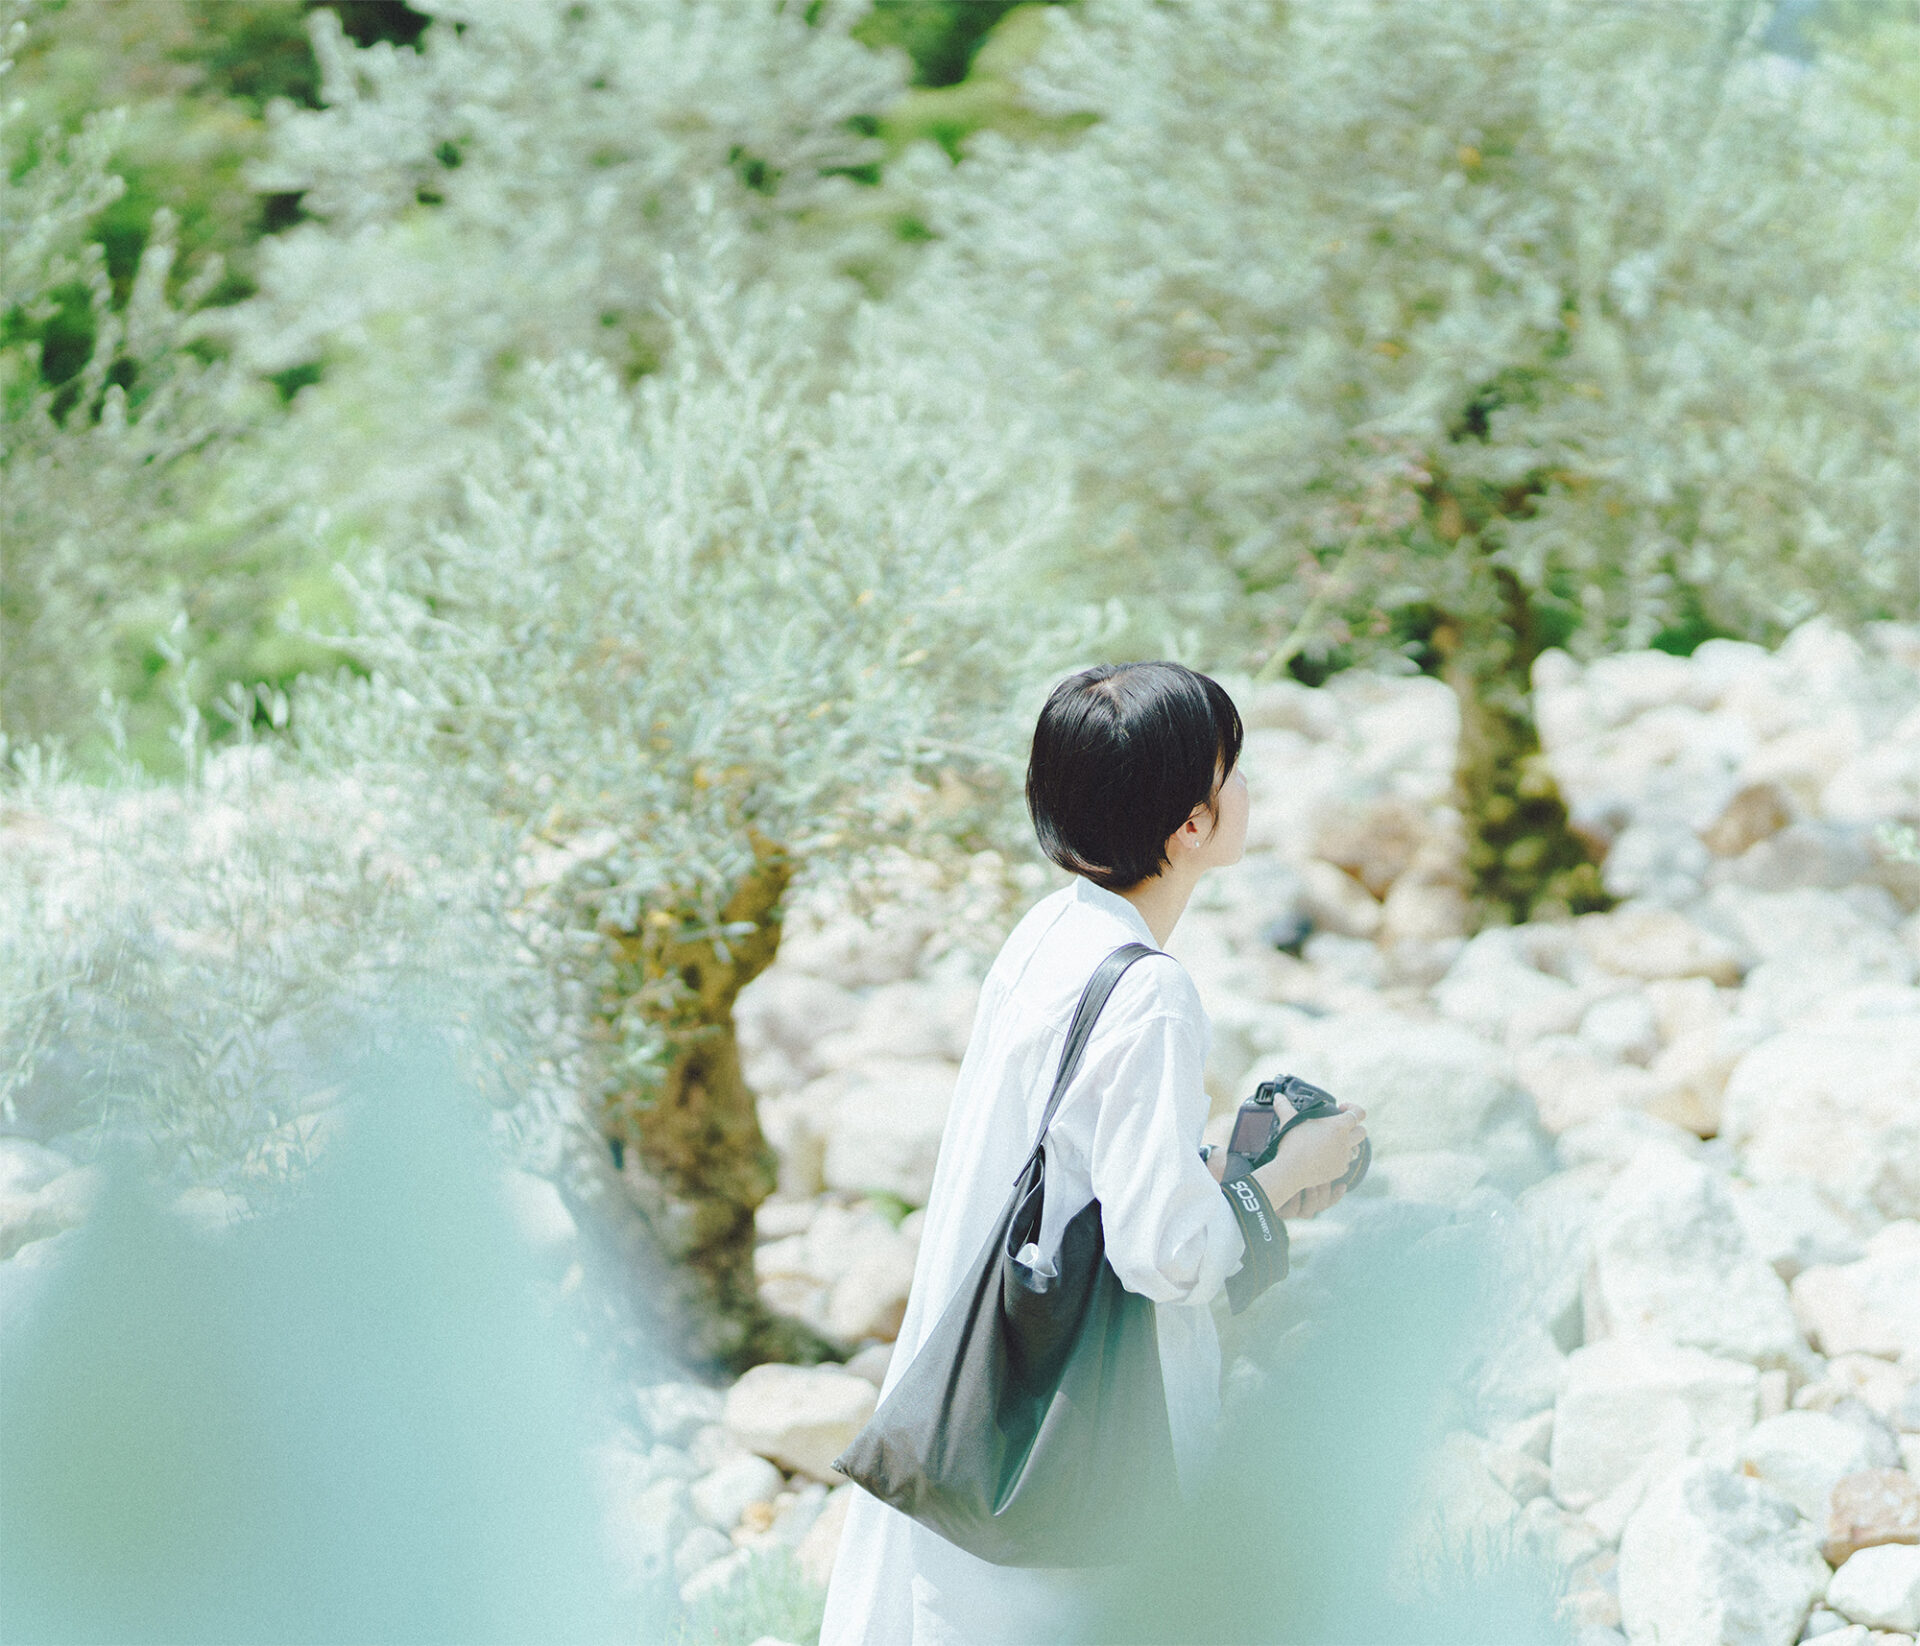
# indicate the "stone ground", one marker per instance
pixel 1700 1112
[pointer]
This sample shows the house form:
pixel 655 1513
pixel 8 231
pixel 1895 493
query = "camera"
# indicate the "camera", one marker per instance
pixel 1262 1122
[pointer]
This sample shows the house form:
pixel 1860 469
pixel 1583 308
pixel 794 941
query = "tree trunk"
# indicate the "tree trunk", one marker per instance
pixel 1524 861
pixel 692 1154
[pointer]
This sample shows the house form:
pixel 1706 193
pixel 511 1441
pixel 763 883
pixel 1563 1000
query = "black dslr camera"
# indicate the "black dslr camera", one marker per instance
pixel 1261 1123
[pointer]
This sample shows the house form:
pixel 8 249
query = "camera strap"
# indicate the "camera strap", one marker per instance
pixel 1263 1231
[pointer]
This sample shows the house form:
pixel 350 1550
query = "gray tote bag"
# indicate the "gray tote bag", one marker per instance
pixel 1031 1428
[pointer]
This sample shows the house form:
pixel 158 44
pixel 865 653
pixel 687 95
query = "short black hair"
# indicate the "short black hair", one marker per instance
pixel 1121 756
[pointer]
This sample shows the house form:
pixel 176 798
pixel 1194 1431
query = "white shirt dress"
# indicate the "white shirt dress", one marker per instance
pixel 1127 1132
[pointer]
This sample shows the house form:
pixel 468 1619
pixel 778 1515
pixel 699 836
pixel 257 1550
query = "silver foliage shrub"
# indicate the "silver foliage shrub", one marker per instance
pixel 672 628
pixel 1639 293
pixel 94 473
pixel 191 969
pixel 506 192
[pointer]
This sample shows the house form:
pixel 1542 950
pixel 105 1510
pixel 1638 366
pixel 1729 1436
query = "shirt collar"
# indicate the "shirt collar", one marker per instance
pixel 1115 905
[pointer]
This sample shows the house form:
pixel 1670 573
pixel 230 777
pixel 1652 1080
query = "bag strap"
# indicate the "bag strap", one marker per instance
pixel 1092 998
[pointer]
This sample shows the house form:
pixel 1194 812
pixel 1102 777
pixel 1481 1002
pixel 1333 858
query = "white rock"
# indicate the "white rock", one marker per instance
pixel 801 1417
pixel 887 1120
pixel 1628 1400
pixel 1402 731
pixel 539 1215
pixel 1622 1027
pixel 782 1218
pixel 1823 856
pixel 785 1012
pixel 644 1523
pixel 777 1258
pixel 674 1412
pixel 858 952
pixel 1714 1559
pixel 666 1462
pixel 1812 944
pixel 1345 967
pixel 1466 1500
pixel 1648 941
pixel 1613 1140
pixel 1689 1075
pixel 1425 1084
pixel 840 1237
pixel 1683 1004
pixel 1837 1105
pixel 1878 782
pixel 1659 859
pixel 919 1019
pixel 1862 1389
pixel 1564 1540
pixel 721 1496
pixel 817 1550
pixel 1336 902
pixel 872 1363
pixel 1520 1378
pixel 1531 1435
pixel 26 1165
pixel 1670 1259
pixel 1492 981
pixel 1792 1226
pixel 1775 1386
pixel 711 1446
pixel 1609 1515
pixel 208 1209
pixel 1820 1621
pixel 794 1515
pixel 699 1549
pixel 1626 685
pixel 870 1299
pixel 1428 904
pixel 1573 1082
pixel 1880 1587
pixel 1442 1177
pixel 1803 1455
pixel 58 1204
pixel 715 1577
pixel 795 1128
pixel 1556 1220
pixel 1375 840
pixel 1244 1031
pixel 1669 765
pixel 1871 1306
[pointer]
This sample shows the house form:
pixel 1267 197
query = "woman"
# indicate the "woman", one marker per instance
pixel 1133 787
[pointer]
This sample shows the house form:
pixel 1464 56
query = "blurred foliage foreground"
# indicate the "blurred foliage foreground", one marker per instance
pixel 663 446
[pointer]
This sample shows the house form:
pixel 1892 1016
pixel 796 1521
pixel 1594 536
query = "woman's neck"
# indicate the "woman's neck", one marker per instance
pixel 1163 899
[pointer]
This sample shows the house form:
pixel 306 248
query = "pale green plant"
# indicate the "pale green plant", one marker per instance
pixel 189 967
pixel 506 192
pixel 98 470
pixel 682 641
pixel 1292 297
pixel 1460 330
pixel 770 1598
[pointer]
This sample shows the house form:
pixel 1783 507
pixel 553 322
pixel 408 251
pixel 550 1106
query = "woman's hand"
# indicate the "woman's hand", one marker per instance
pixel 1301 1179
pixel 1311 1202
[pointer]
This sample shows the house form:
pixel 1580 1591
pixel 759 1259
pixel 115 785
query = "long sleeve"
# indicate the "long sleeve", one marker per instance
pixel 1169 1232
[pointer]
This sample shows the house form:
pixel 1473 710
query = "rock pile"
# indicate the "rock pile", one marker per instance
pixel 1700 1111
pixel 705 1482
